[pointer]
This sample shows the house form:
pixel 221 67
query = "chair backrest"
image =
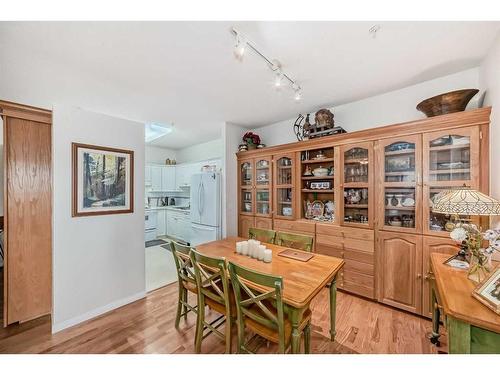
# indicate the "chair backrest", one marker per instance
pixel 183 263
pixel 211 278
pixel 295 241
pixel 263 235
pixel 265 308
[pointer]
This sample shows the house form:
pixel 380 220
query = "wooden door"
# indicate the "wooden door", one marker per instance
pixel 28 213
pixel 399 270
pixel 433 245
pixel 284 186
pixel 399 184
pixel 263 191
pixel 356 185
pixel 245 223
pixel 246 190
pixel 451 159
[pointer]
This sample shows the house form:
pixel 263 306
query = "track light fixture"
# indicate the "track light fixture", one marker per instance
pixel 242 44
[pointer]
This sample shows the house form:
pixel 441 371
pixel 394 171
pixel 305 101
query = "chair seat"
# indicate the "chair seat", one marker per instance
pixel 270 333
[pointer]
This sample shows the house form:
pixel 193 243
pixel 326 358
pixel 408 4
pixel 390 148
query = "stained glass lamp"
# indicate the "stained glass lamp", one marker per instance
pixel 465 201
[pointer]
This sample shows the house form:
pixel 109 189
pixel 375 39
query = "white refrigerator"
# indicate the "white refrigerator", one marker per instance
pixel 205 207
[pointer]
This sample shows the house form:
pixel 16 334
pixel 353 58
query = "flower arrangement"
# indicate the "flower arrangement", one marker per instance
pixel 251 139
pixel 471 240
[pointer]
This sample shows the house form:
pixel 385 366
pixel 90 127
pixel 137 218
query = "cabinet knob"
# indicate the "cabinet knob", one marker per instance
pixel 419 276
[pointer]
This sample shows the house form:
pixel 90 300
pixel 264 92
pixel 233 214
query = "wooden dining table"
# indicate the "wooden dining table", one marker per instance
pixel 302 281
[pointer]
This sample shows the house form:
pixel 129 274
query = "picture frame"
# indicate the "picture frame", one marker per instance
pixel 102 180
pixel 488 292
pixel 457 262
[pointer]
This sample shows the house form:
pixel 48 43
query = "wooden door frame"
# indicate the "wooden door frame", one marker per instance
pixel 29 113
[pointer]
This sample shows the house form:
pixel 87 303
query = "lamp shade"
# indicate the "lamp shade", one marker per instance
pixel 465 201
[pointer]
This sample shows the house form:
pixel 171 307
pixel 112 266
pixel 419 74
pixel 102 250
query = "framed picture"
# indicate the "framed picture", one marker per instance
pixel 103 180
pixel 457 262
pixel 488 292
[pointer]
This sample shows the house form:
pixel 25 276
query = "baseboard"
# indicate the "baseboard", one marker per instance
pixel 96 312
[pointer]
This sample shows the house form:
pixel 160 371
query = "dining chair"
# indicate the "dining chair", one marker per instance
pixel 263 313
pixel 186 279
pixel 295 241
pixel 212 280
pixel 263 235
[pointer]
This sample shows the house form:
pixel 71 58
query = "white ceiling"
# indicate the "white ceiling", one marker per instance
pixel 185 72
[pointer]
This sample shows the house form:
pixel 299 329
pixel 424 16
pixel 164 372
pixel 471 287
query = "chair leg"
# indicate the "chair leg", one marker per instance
pixel 200 325
pixel 185 299
pixel 228 334
pixel 241 336
pixel 307 338
pixel 179 306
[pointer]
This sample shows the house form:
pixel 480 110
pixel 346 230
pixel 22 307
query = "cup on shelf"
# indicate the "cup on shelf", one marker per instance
pixel 268 256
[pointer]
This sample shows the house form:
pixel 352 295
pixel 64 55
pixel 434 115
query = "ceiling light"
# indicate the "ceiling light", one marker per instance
pixel 239 48
pixel 278 79
pixel 155 130
pixel 298 95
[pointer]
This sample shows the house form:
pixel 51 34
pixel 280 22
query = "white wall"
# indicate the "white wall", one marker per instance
pixel 389 108
pixel 231 135
pixel 158 155
pixel 98 261
pixel 489 78
pixel 202 151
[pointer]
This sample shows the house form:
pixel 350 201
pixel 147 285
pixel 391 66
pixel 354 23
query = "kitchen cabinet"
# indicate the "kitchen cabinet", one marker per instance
pixel 147 175
pixel 182 175
pixel 168 182
pixel 400 270
pixel 162 223
pixel 284 187
pixel 178 224
pixel 156 179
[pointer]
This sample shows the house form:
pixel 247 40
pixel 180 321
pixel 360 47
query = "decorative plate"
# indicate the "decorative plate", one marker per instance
pixel 318 208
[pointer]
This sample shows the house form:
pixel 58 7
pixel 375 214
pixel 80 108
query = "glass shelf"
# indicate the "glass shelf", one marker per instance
pixel 449 158
pixel 356 165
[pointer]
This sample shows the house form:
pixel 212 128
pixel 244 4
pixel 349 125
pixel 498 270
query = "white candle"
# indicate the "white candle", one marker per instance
pixel 268 256
pixel 238 247
pixel 244 248
pixel 255 250
pixel 262 249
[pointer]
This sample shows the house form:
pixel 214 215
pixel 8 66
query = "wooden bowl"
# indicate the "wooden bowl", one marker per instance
pixel 450 102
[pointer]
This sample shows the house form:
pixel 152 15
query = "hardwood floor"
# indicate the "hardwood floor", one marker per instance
pixel 147 326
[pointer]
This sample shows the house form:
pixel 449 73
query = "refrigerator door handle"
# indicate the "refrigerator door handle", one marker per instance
pixel 202 201
pixel 199 199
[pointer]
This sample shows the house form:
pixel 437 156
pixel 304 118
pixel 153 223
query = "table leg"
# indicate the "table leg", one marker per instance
pixel 459 339
pixel 435 318
pixel 333 307
pixel 295 316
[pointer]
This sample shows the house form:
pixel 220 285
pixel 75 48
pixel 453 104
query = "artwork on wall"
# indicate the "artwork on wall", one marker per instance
pixel 103 180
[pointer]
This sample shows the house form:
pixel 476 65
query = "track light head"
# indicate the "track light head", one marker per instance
pixel 278 79
pixel 239 48
pixel 298 95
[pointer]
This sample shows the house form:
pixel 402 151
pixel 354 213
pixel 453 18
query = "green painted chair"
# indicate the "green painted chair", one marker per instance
pixel 186 278
pixel 264 313
pixel 295 241
pixel 262 235
pixel 214 291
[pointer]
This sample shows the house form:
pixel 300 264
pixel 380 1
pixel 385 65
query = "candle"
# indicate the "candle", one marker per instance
pixel 262 249
pixel 244 248
pixel 238 247
pixel 268 256
pixel 255 252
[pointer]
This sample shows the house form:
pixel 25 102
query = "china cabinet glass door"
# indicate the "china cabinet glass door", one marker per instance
pixel 450 160
pixel 246 180
pixel 263 178
pixel 357 182
pixel 283 186
pixel 398 205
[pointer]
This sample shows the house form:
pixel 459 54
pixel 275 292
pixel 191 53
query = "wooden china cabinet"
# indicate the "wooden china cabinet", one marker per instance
pixel 367 197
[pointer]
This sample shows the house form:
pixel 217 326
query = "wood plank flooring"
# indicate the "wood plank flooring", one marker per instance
pixel 147 326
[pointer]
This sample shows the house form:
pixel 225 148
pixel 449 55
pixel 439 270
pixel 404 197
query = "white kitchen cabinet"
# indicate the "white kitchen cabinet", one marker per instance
pixel 147 175
pixel 178 225
pixel 162 223
pixel 171 223
pixel 182 175
pixel 156 177
pixel 168 178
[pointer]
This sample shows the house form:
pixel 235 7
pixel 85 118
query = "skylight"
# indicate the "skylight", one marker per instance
pixel 154 131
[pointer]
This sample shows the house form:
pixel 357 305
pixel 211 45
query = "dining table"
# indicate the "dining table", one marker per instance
pixel 302 280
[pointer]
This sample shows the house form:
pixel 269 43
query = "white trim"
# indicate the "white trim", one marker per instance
pixel 98 311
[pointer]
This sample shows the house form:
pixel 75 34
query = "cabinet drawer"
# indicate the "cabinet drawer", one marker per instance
pixel 361 234
pixel 359 267
pixel 329 230
pixel 358 278
pixel 360 245
pixel 295 226
pixel 334 241
pixel 358 289
pixel 329 250
pixel 359 256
